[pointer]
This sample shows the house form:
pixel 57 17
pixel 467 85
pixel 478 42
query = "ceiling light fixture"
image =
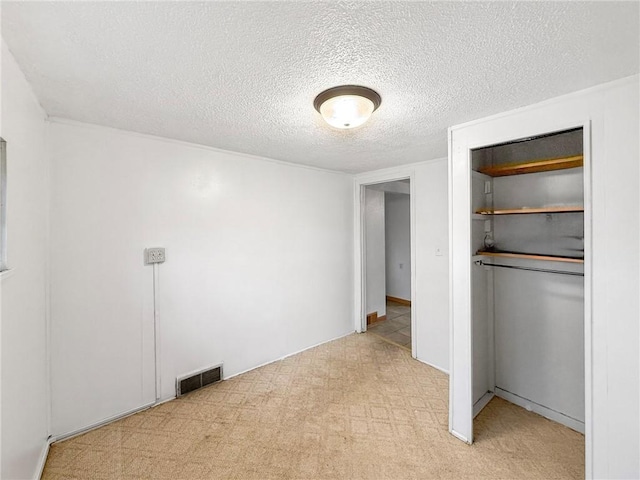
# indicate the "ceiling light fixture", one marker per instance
pixel 347 106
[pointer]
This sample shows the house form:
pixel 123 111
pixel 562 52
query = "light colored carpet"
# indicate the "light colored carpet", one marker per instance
pixel 358 407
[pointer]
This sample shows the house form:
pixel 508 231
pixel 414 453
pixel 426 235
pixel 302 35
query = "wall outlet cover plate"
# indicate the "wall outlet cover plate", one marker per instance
pixel 154 255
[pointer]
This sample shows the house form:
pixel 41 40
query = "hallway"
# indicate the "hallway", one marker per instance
pixel 397 325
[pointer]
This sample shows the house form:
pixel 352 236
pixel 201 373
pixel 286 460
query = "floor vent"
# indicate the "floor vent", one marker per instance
pixel 196 380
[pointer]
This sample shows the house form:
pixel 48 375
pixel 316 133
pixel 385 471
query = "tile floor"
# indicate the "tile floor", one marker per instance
pixel 397 326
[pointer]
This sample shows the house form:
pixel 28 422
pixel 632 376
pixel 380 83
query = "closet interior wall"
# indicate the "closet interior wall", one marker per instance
pixel 528 326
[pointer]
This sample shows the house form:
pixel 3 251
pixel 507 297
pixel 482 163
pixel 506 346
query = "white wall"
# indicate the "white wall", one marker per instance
pixel 23 289
pixel 374 222
pixel 611 110
pixel 431 292
pixel 616 283
pixel 259 264
pixel 398 245
pixel 430 299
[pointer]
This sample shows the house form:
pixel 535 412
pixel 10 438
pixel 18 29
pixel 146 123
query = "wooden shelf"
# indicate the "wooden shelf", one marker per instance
pixel 545 165
pixel 525 210
pixel 530 256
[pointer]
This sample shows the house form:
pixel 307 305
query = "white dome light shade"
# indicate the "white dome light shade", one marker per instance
pixel 346 111
pixel 348 106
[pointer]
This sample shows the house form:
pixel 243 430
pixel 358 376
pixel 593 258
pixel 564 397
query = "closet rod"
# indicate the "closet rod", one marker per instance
pixel 531 269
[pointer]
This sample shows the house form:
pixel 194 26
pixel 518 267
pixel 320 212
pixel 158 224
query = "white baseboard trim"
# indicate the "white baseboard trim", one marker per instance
pixel 546 412
pixel 433 366
pixel 102 423
pixel 43 459
pixel 480 404
pixel 289 355
pixel 162 400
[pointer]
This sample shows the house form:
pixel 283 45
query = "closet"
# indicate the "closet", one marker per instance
pixel 564 345
pixel 527 275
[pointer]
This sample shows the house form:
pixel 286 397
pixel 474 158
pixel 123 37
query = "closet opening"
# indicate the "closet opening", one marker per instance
pixel 527 277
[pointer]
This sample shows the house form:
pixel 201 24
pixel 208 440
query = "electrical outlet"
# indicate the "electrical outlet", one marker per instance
pixel 154 255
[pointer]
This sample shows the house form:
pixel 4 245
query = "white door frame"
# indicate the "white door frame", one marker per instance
pixel 461 346
pixel 360 182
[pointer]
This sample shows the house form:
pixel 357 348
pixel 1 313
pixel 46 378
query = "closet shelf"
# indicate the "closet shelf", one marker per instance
pixel 544 165
pixel 531 256
pixel 522 210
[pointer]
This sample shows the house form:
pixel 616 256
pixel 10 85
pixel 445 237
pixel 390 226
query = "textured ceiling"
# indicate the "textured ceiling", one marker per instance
pixel 242 76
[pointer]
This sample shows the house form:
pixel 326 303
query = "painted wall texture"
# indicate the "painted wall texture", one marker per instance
pixel 375 247
pixel 398 245
pixel 25 400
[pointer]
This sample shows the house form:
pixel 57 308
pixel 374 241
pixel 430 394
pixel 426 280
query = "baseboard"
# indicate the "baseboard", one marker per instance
pixel 433 366
pixel 480 404
pixel 102 423
pixel 290 354
pixel 43 459
pixel 546 412
pixel 373 318
pixel 401 301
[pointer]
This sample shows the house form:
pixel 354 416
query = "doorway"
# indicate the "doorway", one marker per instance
pixel 387 261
